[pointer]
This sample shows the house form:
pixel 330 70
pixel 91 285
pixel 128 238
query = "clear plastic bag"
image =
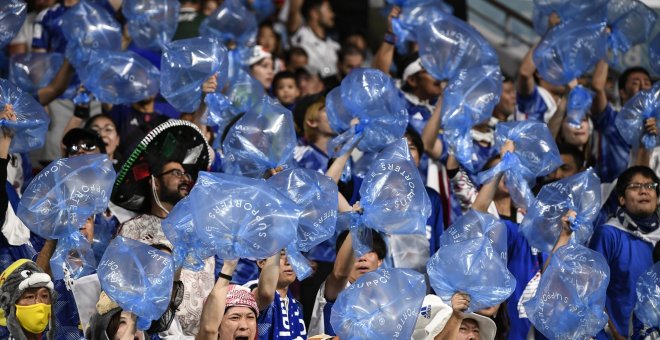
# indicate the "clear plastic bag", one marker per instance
pixel 567 10
pixel 12 17
pixel 647 306
pixel 382 304
pixel 138 278
pixel 338 116
pixel 570 299
pixel 184 67
pixel 473 259
pixel 65 193
pixel 73 257
pixel 579 103
pixel 231 22
pixel 631 22
pixel 654 54
pixel 569 50
pixel 32 71
pixel 29 129
pixel 414 15
pixel 630 120
pixel 151 24
pixel 262 139
pixel 263 9
pixel 249 220
pixel 580 193
pixel 122 77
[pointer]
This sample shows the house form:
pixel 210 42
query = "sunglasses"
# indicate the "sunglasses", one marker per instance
pixel 80 147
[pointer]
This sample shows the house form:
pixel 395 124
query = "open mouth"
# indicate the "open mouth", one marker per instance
pixel 241 338
pixel 184 186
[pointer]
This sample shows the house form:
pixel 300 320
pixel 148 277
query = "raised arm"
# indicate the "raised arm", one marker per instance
pixel 338 278
pixel 209 86
pixel 488 190
pixel 460 302
pixel 433 146
pixel 270 273
pixel 383 57
pixel 642 154
pixel 58 85
pixel 598 83
pixel 295 16
pixel 214 307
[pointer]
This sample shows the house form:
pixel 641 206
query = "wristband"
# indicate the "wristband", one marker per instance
pixel 81 112
pixel 389 38
pixel 225 276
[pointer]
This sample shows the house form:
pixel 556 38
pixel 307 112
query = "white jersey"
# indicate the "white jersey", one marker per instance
pixel 322 53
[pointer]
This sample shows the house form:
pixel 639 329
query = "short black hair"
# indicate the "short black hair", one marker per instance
pixel 283 75
pixel 568 149
pixel 623 78
pixel 92 119
pixel 347 50
pixel 415 138
pixel 295 50
pixel 378 245
pixel 626 177
pixel 309 5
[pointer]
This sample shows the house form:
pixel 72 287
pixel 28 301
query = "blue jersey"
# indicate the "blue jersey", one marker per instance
pixel 281 320
pixel 48 32
pixel 628 257
pixel 613 152
pixel 532 107
pixel 435 225
pixel 66 311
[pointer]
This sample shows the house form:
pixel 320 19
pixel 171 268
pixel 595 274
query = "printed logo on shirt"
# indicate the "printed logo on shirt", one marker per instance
pixel 426 311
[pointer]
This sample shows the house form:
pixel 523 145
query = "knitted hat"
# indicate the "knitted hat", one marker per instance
pixel 19 276
pixel 241 296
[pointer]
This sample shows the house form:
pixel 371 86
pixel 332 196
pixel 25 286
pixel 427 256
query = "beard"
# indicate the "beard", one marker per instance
pixel 171 196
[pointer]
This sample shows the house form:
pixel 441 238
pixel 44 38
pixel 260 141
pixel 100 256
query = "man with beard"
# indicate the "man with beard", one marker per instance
pixel 157 175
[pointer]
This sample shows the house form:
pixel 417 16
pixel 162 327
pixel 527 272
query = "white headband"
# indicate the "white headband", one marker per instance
pixel 411 69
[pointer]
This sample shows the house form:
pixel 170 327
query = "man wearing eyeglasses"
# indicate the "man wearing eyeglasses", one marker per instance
pixel 627 240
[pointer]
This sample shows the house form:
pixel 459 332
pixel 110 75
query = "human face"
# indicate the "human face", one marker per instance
pixel 267 38
pixel 365 264
pixel 287 91
pixel 287 275
pixel 173 183
pixel 108 131
pixel 349 63
pixel 123 328
pixel 82 148
pixel 413 151
pixel 641 202
pixel 263 72
pixel 238 323
pixel 88 229
pixel 567 169
pixel 297 61
pixel 32 296
pixel 507 105
pixel 469 330
pixel 326 15
pixel 575 136
pixel 209 7
pixel 636 82
pixel 426 87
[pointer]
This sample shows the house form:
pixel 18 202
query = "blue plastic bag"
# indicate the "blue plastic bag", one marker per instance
pixel 73 257
pixel 654 54
pixel 244 91
pixel 184 67
pixel 472 259
pixel 12 17
pixel 65 193
pixel 138 278
pixel 371 96
pixel 468 100
pixel 414 15
pixel 570 299
pixel 569 50
pixel 393 195
pixel 262 139
pixel 338 116
pixel 579 103
pixel 449 45
pixel 631 22
pixel 263 9
pixel 580 193
pixel 122 77
pixel 382 304
pixel 231 22
pixel 536 155
pixel 151 24
pixel 88 26
pixel 32 71
pixel 31 122
pixel 630 120
pixel 249 220
pixel 647 306
pixel 316 195
pixel 567 10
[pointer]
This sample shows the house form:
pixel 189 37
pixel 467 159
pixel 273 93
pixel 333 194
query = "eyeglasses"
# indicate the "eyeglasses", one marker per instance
pixel 178 174
pixel 640 186
pixel 83 146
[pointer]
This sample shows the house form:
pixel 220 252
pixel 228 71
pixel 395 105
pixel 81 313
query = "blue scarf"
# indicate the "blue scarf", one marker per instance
pixel 276 322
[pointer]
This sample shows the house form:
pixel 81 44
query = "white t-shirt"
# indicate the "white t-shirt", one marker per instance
pixel 316 323
pixel 322 53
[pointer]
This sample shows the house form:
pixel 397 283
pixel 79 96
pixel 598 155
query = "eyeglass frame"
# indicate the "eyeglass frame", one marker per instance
pixel 182 174
pixel 653 186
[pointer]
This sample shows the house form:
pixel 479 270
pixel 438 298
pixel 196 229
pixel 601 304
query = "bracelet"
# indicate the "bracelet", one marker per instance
pixel 225 276
pixel 389 38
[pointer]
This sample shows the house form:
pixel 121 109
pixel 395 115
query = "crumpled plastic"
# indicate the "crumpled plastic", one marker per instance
pixel 262 139
pixel 32 71
pixel 65 193
pixel 12 17
pixel 231 22
pixel 263 9
pixel 631 22
pixel 654 54
pixel 382 304
pixel 567 10
pixel 242 93
pixel 120 77
pixel 570 299
pixel 73 257
pixel 138 278
pixel 580 193
pixel 569 50
pixel 467 101
pixel 338 116
pixel 151 24
pixel 31 123
pixel 316 195
pixel 579 103
pixel 472 259
pixel 249 220
pixel 647 306
pixel 185 65
pixel 413 16
pixel 536 155
pixel 89 27
pixel 371 96
pixel 630 120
